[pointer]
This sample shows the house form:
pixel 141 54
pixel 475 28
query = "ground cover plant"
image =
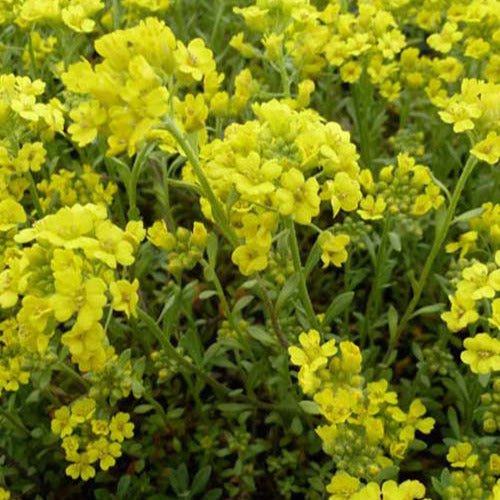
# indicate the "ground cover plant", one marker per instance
pixel 250 249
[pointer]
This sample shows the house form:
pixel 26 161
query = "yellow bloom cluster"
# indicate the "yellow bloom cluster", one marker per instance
pixel 346 487
pixel 408 189
pixel 476 296
pixel 367 430
pixel 66 188
pixel 184 248
pixel 476 108
pixel 127 96
pixel 74 14
pixel 89 437
pixel 69 271
pixel 269 166
pixel 490 402
pixel 477 477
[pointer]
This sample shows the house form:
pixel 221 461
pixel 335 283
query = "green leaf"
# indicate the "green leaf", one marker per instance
pixel 206 294
pixel 233 407
pixel 288 290
pixel 214 494
pixel 453 421
pixel 312 259
pixel 432 309
pixel 123 486
pixel 392 317
pixel 140 409
pixel 310 407
pixel 475 212
pixel 212 247
pixel 395 241
pixel 338 305
pixel 201 479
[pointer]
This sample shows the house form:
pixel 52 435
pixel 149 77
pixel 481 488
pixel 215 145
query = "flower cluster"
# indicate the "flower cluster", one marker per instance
pixel 68 187
pixel 476 291
pixel 184 248
pixel 90 436
pixel 127 96
pixel 69 272
pixel 285 162
pixel 476 109
pixel 407 189
pixel 367 430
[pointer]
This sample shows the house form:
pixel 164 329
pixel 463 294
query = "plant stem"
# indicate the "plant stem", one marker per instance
pixel 441 233
pixel 303 292
pixel 285 82
pixel 219 388
pixel 272 314
pixel 139 162
pixel 63 367
pixel 372 303
pixel 181 361
pixel 34 194
pixel 217 209
pixel 361 124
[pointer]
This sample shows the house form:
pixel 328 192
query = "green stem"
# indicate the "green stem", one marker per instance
pixel 140 160
pixel 34 195
pixel 217 209
pixel 372 303
pixel 63 367
pixel 272 314
pixel 117 199
pixel 219 388
pixel 31 52
pixel 440 237
pixel 303 292
pixel 361 124
pixel 180 360
pixel 285 82
pixel 117 14
pixel 218 17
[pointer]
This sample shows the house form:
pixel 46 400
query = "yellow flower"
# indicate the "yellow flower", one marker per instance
pixel 371 208
pixel 344 193
pixel 482 353
pixel 462 312
pixel 312 353
pixel 31 157
pixel 479 282
pixel 461 455
pixel 194 61
pixel 488 149
pixel 350 360
pixel 350 72
pixel 87 118
pixel 193 112
pixel 107 452
pixel 125 296
pixel 342 486
pixel 11 214
pixel 82 465
pixel 297 196
pixel 251 257
pixel 466 242
pixel 120 427
pixel 461 113
pixel 333 248
pixel 160 237
pixel 62 424
pixel 443 42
